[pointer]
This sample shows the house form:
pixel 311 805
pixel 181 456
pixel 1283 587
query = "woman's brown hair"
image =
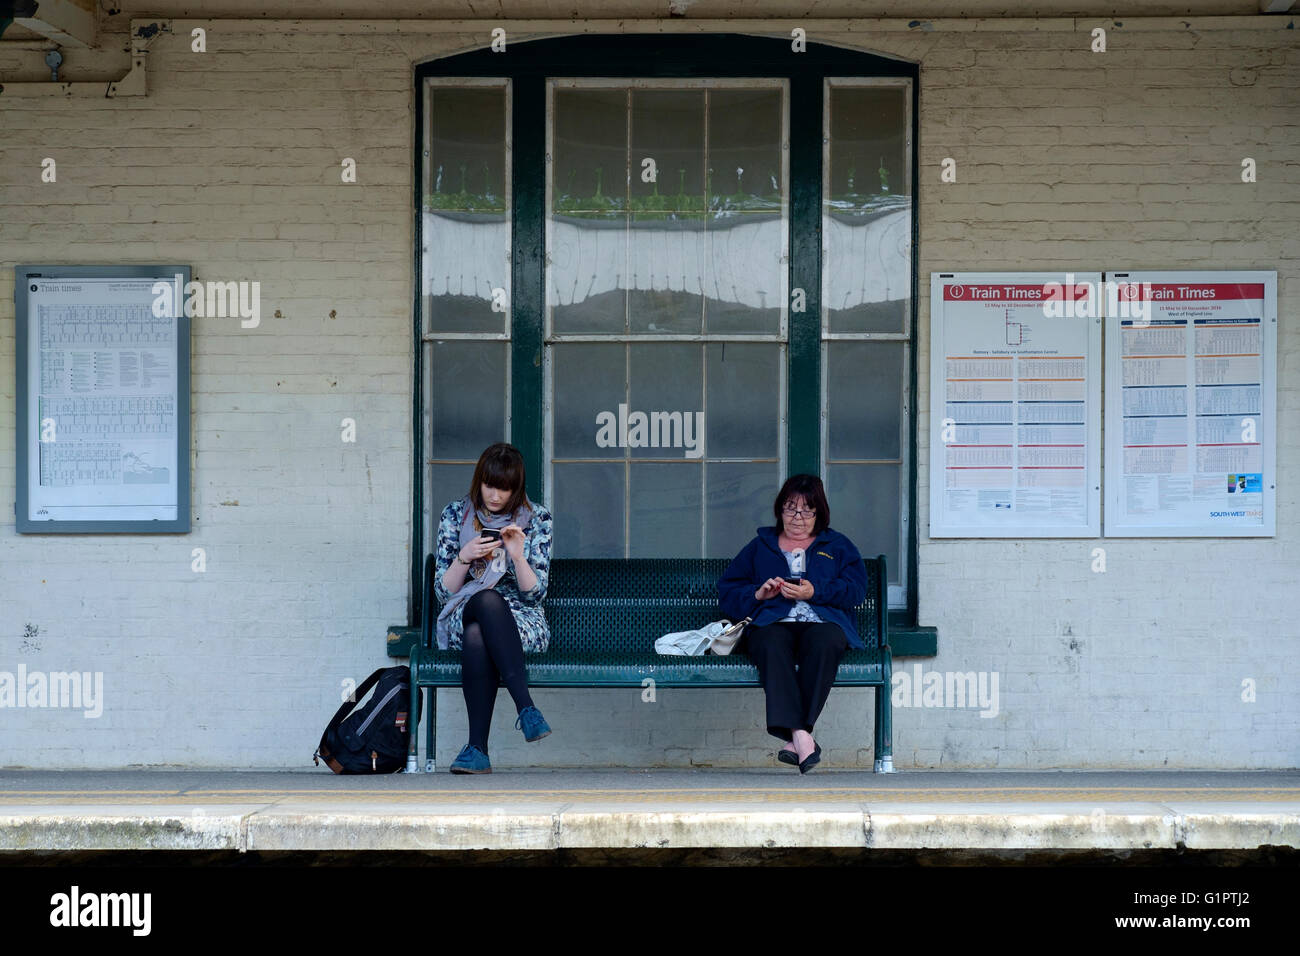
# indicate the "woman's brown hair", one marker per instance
pixel 500 466
pixel 808 487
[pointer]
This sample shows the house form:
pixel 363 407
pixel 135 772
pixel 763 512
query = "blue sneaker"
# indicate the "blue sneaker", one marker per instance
pixel 471 760
pixel 534 725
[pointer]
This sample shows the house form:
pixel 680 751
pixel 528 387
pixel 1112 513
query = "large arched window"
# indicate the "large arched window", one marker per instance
pixel 672 270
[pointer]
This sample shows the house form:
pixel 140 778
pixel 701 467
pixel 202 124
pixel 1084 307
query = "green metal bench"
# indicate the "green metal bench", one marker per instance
pixel 604 615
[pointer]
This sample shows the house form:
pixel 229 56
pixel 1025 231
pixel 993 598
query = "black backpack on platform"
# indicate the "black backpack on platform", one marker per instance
pixel 373 737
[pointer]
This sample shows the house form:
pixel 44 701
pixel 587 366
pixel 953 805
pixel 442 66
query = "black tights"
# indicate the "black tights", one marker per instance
pixel 491 655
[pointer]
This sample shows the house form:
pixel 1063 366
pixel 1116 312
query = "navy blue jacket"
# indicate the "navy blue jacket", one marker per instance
pixel 831 563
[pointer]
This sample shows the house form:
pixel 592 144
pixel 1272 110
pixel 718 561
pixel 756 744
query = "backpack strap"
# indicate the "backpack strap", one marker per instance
pixel 357 696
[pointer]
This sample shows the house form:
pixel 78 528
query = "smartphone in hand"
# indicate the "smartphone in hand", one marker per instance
pixel 491 533
pixel 795 581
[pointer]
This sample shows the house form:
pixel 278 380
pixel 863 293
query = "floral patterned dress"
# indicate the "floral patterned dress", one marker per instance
pixel 525 605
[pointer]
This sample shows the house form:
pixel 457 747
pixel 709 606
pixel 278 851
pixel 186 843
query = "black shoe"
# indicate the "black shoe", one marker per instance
pixel 788 756
pixel 812 760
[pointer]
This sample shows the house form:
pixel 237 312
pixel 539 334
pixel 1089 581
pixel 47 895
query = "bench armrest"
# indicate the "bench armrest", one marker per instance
pixel 429 609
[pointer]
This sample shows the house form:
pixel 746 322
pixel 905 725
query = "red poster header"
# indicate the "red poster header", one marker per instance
pixel 1010 292
pixel 1188 291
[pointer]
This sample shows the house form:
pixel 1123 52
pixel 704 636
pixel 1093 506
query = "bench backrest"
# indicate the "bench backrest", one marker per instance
pixel 614 605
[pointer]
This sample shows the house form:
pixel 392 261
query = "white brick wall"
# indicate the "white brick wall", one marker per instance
pixel 1066 159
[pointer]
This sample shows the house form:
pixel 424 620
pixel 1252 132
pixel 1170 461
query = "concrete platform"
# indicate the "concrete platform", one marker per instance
pixel 522 810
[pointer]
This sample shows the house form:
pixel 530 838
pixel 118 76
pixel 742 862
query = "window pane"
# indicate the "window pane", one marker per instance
pixel 738 500
pixel 587 276
pixel 868 216
pixel 665 513
pixel 589 380
pixel 467 397
pixel 589 501
pixel 865 393
pixel 744 277
pixel 667 394
pixel 865 505
pixel 744 399
pixel 466 226
pixel 707 227
pixel 447 483
pixel 666 238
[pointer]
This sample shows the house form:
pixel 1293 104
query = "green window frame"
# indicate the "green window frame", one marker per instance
pixel 524 71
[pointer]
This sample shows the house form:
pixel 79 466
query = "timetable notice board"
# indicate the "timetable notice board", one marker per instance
pixel 103 399
pixel 1191 405
pixel 1015 399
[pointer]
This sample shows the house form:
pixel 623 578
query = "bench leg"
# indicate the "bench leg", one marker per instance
pixel 885 717
pixel 413 716
pixel 429 752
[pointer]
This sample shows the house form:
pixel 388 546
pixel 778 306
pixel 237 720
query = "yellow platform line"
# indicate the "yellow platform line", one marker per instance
pixel 1295 791
pixel 891 795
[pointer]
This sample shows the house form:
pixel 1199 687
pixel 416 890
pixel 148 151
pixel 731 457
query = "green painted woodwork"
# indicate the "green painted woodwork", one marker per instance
pixel 605 614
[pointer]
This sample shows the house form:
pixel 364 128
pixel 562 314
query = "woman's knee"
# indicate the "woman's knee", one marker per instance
pixel 825 638
pixel 486 601
pixel 471 636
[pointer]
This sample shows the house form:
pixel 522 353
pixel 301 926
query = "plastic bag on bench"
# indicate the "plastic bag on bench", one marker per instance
pixel 720 637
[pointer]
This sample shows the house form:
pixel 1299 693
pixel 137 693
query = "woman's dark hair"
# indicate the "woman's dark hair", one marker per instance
pixel 808 487
pixel 500 466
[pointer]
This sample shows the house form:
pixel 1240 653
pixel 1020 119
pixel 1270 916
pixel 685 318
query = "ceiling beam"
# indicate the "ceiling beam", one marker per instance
pixel 65 22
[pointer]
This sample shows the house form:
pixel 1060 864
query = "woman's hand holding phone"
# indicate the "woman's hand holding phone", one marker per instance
pixel 480 547
pixel 796 592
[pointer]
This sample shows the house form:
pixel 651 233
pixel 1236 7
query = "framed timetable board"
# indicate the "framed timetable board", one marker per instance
pixel 1191 405
pixel 1015 405
pixel 103 399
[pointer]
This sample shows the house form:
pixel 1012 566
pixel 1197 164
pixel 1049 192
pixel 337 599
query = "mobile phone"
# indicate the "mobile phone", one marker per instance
pixel 794 580
pixel 491 533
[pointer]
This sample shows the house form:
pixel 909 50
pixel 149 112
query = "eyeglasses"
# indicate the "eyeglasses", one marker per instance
pixel 797 513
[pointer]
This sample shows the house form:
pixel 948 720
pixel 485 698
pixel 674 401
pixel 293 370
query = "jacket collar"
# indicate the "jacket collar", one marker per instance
pixel 769 537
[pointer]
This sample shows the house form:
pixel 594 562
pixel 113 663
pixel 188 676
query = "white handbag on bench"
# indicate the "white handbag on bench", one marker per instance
pixel 719 637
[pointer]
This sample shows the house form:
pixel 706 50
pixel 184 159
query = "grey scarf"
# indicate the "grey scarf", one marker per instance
pixel 483 573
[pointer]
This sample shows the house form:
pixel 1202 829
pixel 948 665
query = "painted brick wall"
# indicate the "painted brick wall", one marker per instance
pixel 1066 159
pixel 1070 159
